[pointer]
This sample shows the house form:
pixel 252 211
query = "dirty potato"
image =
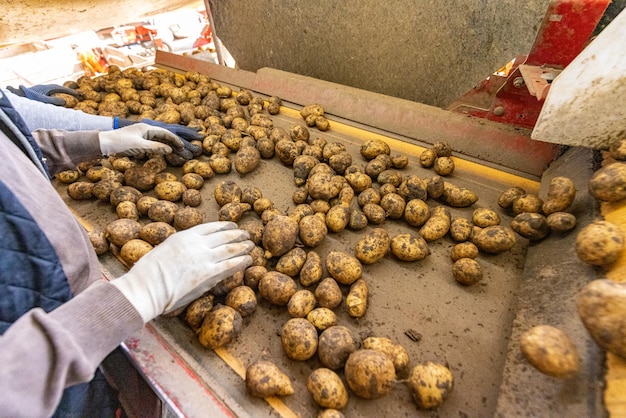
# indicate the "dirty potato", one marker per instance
pixel 601 306
pixel 532 226
pixel 467 271
pixel 327 389
pixel 335 344
pixel 343 267
pixel 328 293
pixel 124 193
pixel 600 243
pixel 162 211
pixel 561 221
pixel 291 262
pixel 133 250
pixel 373 148
pixel 438 225
pixel 444 166
pixel 127 209
pixel 220 326
pixel 528 202
pixel 277 288
pixel 242 299
pixel 312 230
pixel 430 384
pixel 312 271
pixel 233 211
pixel 356 300
pixel 322 318
pixel 264 379
pixel 99 242
pixel 68 176
pixel 338 217
pixel 144 203
pixel 370 374
pixel 561 194
pixel 299 339
pixel 428 157
pixel 461 229
pixel 416 212
pixel 608 184
pixel 484 217
pixel 141 178
pixel 279 236
pixel 80 190
pixel 393 204
pixel 120 231
pixel 506 198
pixel 197 310
pixel 301 303
pixel 246 160
pixel 156 232
pixel 458 197
pixel 373 246
pixel 396 352
pixel 494 239
pixel 407 247
pixel 550 351
pixel 464 250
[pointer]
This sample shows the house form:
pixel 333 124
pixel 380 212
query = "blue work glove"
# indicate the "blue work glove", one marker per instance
pixel 185 133
pixel 43 93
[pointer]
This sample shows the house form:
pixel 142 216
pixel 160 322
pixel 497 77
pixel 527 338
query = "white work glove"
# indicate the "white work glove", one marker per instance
pixel 138 139
pixel 184 267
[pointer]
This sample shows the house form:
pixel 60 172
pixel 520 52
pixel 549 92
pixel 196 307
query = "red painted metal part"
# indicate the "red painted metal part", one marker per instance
pixel 567 27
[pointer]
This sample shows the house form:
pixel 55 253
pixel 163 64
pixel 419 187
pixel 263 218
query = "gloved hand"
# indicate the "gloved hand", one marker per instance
pixel 184 267
pixel 184 132
pixel 43 93
pixel 138 139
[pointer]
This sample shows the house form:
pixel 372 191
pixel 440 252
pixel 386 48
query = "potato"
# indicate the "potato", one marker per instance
pixel 467 271
pixel 312 270
pixel 370 374
pixel 322 318
pixel 532 226
pixel 608 184
pixel 68 176
pixel 373 148
pixel 601 305
pixel 457 197
pixel 227 191
pixel 437 226
pixel 327 389
pixel 99 242
pixel 323 186
pixel 120 231
pixel 561 221
pixel 123 194
pixel 464 250
pixel 343 267
pixel 428 157
pixel 264 379
pixel 600 243
pixel 228 284
pixel 299 339
pixel 430 384
pixel 286 151
pixel 141 178
pixel 242 299
pixel 393 204
pixel 156 232
pixel 413 187
pixel 527 203
pixel 335 344
pixel 144 203
pixel 233 211
pixel 328 293
pixel 164 176
pixel 311 109
pixel 338 217
pixel 133 250
pixel 301 303
pixel 416 212
pixel 494 239
pixel 369 195
pixel 330 413
pixel 205 168
pixel 506 198
pixel 399 161
pixel 389 176
pixel 561 194
pixel 127 209
pixel 359 181
pixel 302 166
pixel 96 173
pixel 220 326
pixel 300 211
pixel 357 220
pixel 246 160
pixel 407 247
pixel 320 206
pixel 442 149
pixel 192 197
pixel 80 190
pixel 258 256
pixel 340 161
pixel 197 310
pixel 122 164
pixel 312 230
pixel 373 246
pixel 279 236
pixel 484 217
pixel 356 300
pixel 219 164
pixel 396 352
pixel 435 187
pixel 291 262
pixel 162 211
pixel 443 166
pixel 277 288
pixel 461 229
pixel 103 189
pixel 550 351
pixel 192 181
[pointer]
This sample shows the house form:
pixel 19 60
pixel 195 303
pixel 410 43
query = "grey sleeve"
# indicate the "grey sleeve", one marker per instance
pixel 78 336
pixel 38 115
pixel 63 150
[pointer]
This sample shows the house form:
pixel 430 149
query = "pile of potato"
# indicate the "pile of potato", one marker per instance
pixel 333 191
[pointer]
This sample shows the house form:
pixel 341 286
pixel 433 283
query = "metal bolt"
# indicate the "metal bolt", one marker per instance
pixel 498 110
pixel 518 82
